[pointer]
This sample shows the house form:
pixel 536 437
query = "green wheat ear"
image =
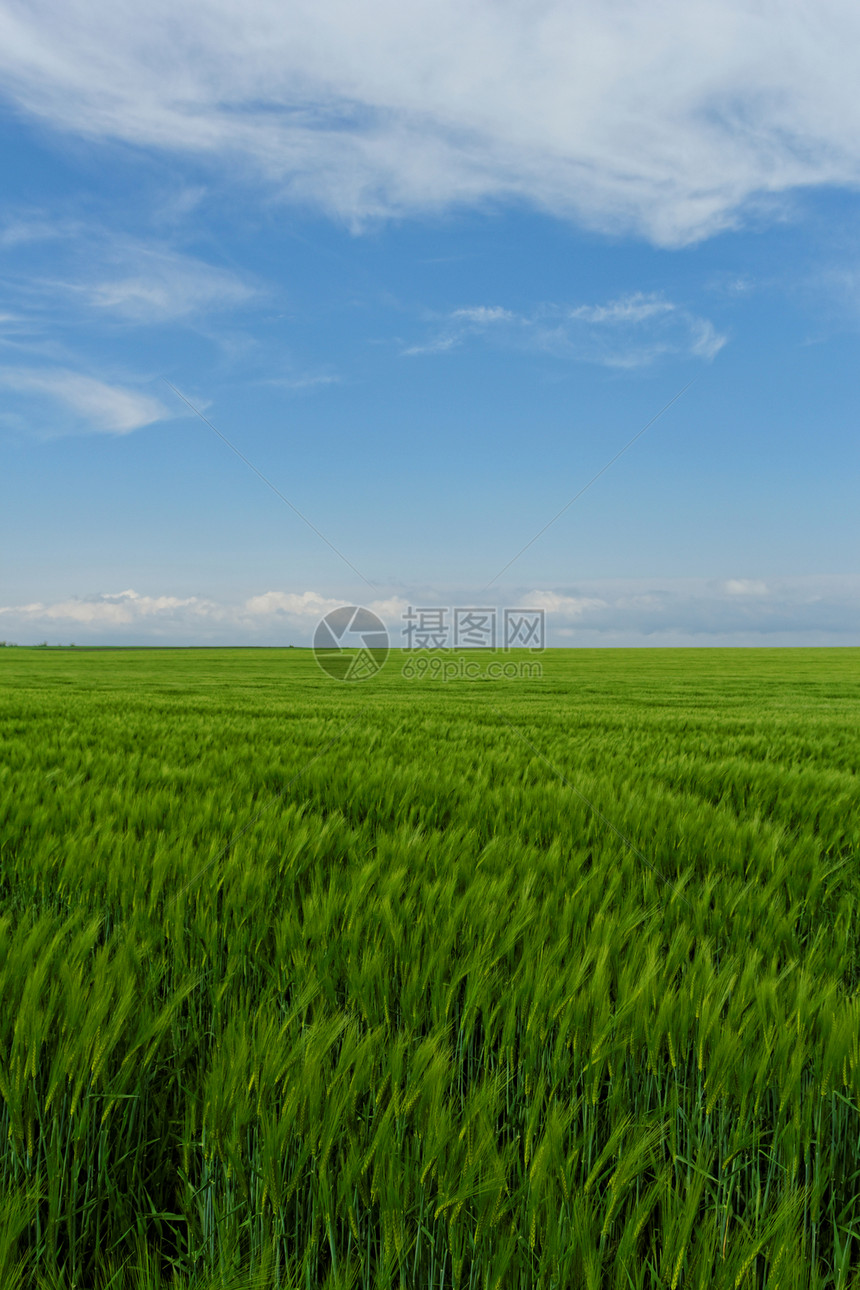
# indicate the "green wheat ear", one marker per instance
pixel 412 1013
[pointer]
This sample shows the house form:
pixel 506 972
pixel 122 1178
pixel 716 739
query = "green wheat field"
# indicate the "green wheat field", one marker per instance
pixel 406 983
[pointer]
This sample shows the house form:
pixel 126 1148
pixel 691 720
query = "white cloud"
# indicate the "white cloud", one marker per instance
pixel 128 614
pixel 734 611
pixel 734 285
pixel 307 604
pixel 117 609
pixel 745 587
pixel 310 606
pixel 124 277
pixel 475 320
pixel 303 380
pixel 635 308
pixel 706 340
pixel 95 405
pixel 484 315
pixel 439 345
pixel 143 283
pixel 631 331
pixel 675 611
pixel 563 606
pixel 668 119
pixel 33 227
pixel 156 285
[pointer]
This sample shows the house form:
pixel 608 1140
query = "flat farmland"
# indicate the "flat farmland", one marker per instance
pixel 548 982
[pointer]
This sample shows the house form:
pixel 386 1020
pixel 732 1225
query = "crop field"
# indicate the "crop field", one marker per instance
pixel 483 984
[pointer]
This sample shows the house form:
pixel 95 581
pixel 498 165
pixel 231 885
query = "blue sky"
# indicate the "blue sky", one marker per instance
pixel 429 268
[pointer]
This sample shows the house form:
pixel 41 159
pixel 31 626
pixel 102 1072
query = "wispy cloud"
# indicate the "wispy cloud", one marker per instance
pixel 94 405
pixel 24 228
pixel 303 380
pixel 115 276
pixel 631 331
pixel 484 315
pixel 673 123
pixel 636 308
pixel 142 283
pixel 155 286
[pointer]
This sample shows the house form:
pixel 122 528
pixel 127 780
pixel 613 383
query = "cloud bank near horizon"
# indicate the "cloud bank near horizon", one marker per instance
pixel 731 611
pixel 672 122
